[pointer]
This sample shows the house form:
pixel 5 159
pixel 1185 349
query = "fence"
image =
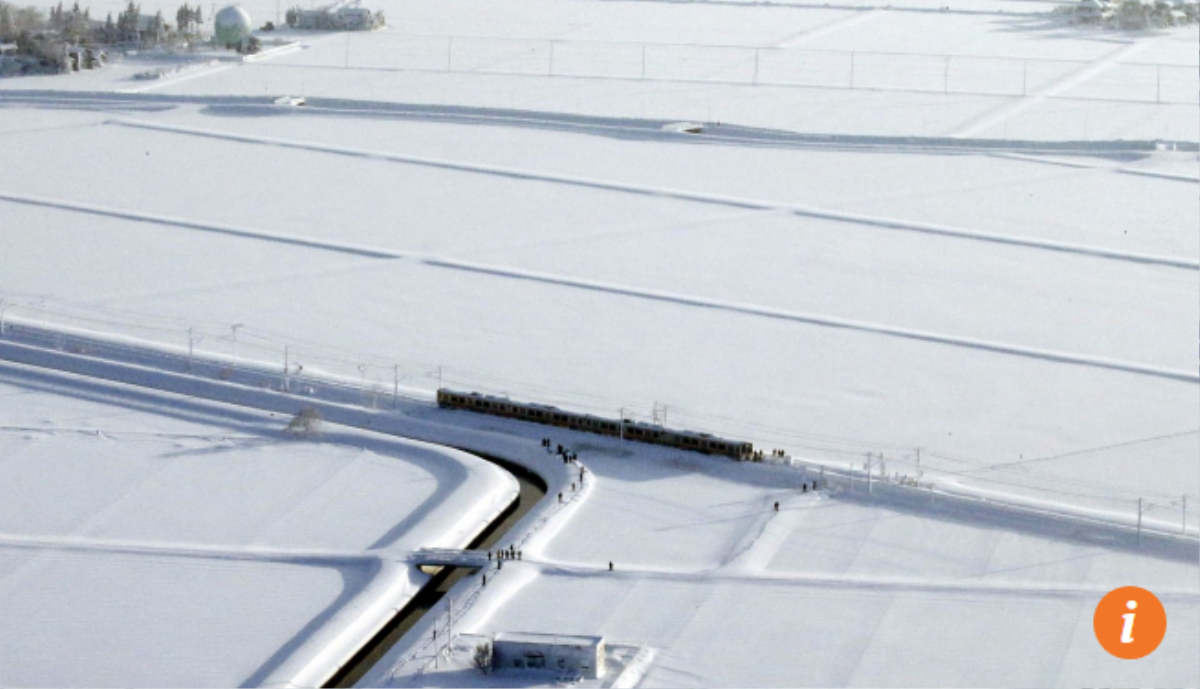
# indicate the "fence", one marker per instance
pixel 245 355
pixel 768 66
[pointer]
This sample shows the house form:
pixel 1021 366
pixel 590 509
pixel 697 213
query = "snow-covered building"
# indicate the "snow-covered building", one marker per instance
pixel 1089 11
pixel 340 16
pixel 558 652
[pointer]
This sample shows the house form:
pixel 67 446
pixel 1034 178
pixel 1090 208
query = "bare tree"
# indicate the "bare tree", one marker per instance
pixel 306 423
pixel 28 19
pixel 8 31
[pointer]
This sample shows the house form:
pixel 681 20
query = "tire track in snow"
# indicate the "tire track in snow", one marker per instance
pixel 865 583
pixel 630 291
pixel 1007 112
pixel 194 551
pixel 217 228
pixel 822 320
pixel 684 195
pixel 839 24
pixel 1081 165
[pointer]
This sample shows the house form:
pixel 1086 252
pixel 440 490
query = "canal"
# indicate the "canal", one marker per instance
pixel 532 490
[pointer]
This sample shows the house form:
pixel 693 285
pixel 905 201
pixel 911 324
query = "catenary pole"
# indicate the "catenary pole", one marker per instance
pixel 1139 522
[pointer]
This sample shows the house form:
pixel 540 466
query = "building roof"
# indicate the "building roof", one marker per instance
pixel 553 639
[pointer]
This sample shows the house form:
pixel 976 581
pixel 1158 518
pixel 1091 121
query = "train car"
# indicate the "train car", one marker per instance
pixel 626 428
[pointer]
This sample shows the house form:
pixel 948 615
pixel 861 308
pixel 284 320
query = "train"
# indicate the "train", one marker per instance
pixel 622 428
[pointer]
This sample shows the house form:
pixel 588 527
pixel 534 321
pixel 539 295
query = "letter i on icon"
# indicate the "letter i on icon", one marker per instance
pixel 1127 630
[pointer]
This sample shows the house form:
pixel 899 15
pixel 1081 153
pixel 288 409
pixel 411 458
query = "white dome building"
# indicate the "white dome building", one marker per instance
pixel 232 25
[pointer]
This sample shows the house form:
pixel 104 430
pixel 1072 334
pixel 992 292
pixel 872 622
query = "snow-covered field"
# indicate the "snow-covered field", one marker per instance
pixel 834 302
pixel 151 540
pixel 483 196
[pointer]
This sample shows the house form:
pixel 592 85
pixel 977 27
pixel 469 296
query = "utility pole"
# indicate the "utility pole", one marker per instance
pixel 918 460
pixel 622 414
pixel 191 343
pixel 3 306
pixel 362 383
pixel 439 377
pixel 396 385
pixel 1183 527
pixel 286 370
pixel 233 337
pixel 868 468
pixel 1139 523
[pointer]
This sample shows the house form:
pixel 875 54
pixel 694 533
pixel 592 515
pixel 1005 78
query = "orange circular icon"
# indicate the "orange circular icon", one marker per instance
pixel 1130 622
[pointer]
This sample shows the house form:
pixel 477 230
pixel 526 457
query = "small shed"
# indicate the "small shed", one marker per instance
pixel 555 652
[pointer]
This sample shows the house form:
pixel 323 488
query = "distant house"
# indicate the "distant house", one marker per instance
pixel 1090 11
pixel 1131 14
pixel 355 18
pixel 341 16
pixel 582 655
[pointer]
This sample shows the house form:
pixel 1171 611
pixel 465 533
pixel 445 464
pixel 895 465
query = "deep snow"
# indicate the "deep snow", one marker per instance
pixel 1006 283
pixel 156 540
